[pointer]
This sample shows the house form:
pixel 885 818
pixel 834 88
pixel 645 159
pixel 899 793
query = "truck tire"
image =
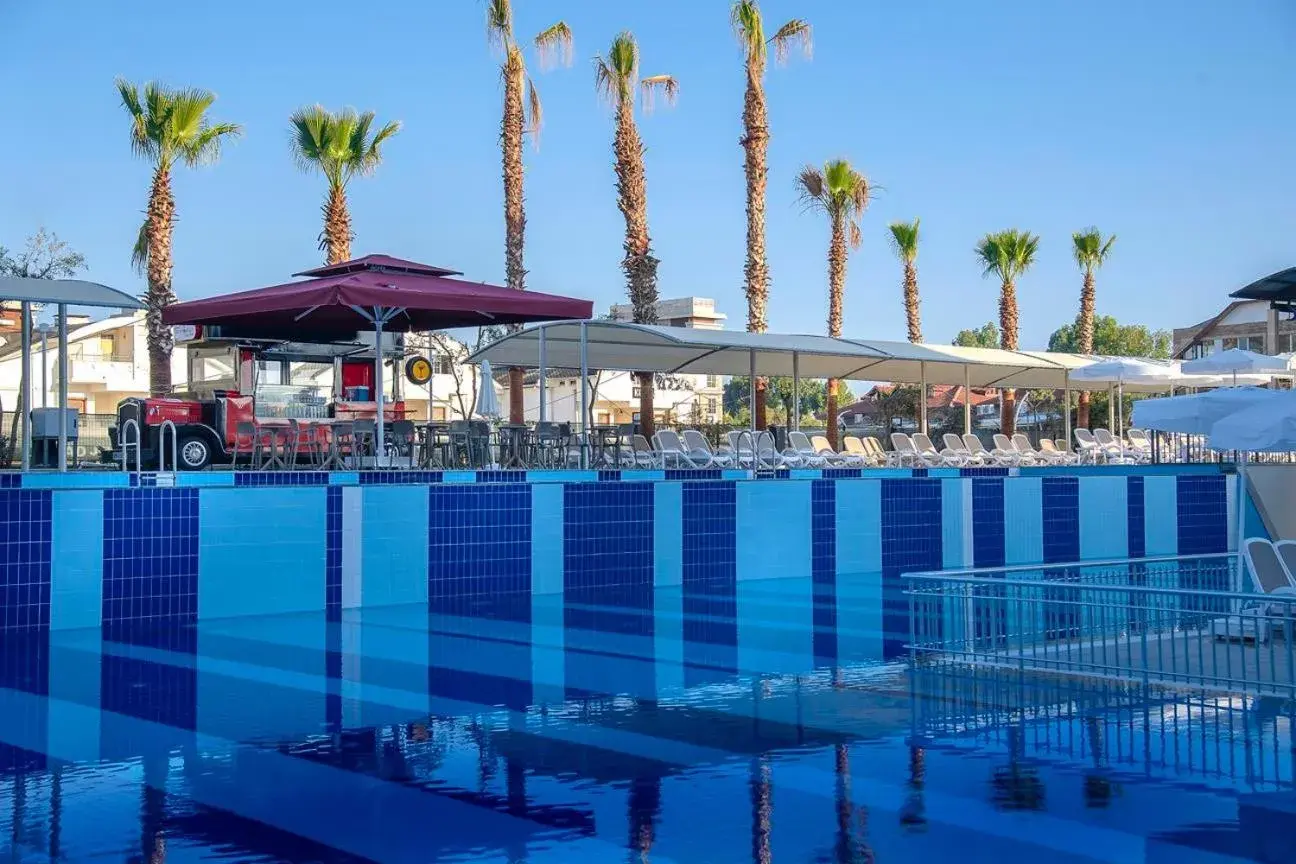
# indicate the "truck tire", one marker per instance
pixel 193 453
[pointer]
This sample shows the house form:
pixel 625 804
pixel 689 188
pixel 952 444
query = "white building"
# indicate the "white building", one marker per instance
pixel 614 396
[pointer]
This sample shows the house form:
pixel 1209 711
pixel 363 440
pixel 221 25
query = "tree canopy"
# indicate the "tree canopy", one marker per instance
pixel 44 257
pixel 986 336
pixel 814 395
pixel 1114 339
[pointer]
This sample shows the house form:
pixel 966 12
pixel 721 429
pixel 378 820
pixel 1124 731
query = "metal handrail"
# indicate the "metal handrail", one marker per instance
pixel 175 439
pixel 974 573
pixel 127 445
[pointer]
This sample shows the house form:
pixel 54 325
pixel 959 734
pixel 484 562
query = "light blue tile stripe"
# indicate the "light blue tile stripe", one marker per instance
pixel 668 534
pixel 668 638
pixel 1161 515
pixel 642 474
pixel 262 551
pixel 546 539
pixel 1023 520
pixel 459 477
pixel 205 478
pixel 87 480
pixel 956 523
pixel 859 526
pixel 344 478
pixel 1104 518
pixel 75 678
pixel 774 536
pixel 76 571
pixel 394 555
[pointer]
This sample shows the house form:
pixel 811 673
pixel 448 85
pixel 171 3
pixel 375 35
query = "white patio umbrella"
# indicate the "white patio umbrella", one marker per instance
pixel 487 401
pixel 1127 370
pixel 1197 413
pixel 1237 360
pixel 1269 426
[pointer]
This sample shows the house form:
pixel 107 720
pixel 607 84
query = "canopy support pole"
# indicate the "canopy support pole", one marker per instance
pixel 63 387
pixel 1111 408
pixel 380 416
pixel 1240 575
pixel 544 358
pixel 796 392
pixel 1066 406
pixel 751 421
pixel 967 399
pixel 584 363
pixel 25 399
pixel 922 397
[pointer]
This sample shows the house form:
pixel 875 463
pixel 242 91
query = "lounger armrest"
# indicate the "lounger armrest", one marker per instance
pixel 1283 591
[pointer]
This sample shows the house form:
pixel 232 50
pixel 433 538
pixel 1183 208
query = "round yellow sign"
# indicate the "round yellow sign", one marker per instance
pixel 418 370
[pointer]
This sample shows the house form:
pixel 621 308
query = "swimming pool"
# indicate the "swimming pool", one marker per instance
pixel 716 725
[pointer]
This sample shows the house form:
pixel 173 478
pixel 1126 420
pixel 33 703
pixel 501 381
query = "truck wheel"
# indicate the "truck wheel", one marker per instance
pixel 194 453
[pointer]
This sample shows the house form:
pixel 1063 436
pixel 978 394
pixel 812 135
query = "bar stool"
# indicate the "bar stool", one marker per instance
pixel 245 434
pixel 274 441
pixel 365 438
pixel 340 444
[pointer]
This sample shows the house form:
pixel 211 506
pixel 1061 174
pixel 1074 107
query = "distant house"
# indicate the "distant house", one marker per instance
pixel 1248 324
pixel 869 409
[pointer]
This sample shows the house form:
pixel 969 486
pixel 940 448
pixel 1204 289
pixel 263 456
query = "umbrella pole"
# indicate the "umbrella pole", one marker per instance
pixel 794 422
pixel 1240 574
pixel 378 386
pixel 63 390
pixel 1066 405
pixel 584 364
pixel 24 400
pixel 541 379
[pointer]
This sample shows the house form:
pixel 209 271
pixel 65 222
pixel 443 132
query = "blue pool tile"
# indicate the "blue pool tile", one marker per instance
pixel 823 567
pixel 988 545
pixel 26 554
pixel 479 545
pixel 693 474
pixel 1135 517
pixel 911 542
pixel 1202 510
pixel 11 480
pixel 392 478
pixel 150 555
pixel 1104 518
pixel 611 475
pixel 1161 515
pixel 507 475
pixel 710 576
pixel 333 555
pixel 608 545
pixel 394 547
pixel 1060 515
pixel 76 578
pixel 280 478
pixel 842 473
pixel 1023 520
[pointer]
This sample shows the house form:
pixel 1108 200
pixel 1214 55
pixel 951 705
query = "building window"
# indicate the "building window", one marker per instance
pixel 1286 343
pixel 1246 343
pixel 442 364
pixel 1201 349
pixel 712 406
pixel 712 381
pixel 636 392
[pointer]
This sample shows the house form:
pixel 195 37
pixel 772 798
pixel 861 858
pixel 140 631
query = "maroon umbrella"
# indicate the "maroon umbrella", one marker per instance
pixel 375 292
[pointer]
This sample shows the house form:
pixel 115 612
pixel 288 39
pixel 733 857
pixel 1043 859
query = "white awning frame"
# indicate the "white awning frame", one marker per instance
pixel 68 292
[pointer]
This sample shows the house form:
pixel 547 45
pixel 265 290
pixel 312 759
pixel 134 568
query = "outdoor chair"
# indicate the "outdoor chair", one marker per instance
pixel 697 443
pixel 768 456
pixel 856 448
pixel 1269 577
pixel 302 438
pixel 987 457
pixel 246 435
pixel 879 452
pixel 400 440
pixel 672 450
pixel 834 457
pixel 642 455
pixel 341 445
pixel 799 446
pixel 1063 447
pixel 1114 450
pixel 927 450
pixel 1007 452
pixel 1023 446
pixel 365 434
pixel 1048 450
pixel 954 444
pixel 1286 550
pixel 1087 446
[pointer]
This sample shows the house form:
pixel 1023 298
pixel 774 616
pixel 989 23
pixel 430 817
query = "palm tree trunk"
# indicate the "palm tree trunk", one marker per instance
pixel 337 226
pixel 1086 342
pixel 1008 341
pixel 161 219
pixel 836 292
pixel 912 312
pixel 514 206
pixel 639 264
pixel 755 142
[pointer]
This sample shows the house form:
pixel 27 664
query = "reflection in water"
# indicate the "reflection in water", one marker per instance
pixel 644 807
pixel 1097 787
pixel 913 814
pixel 153 810
pixel 1018 786
pixel 762 801
pixel 852 844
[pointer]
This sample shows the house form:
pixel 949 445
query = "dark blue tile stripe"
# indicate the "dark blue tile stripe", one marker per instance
pixel 823 567
pixel 693 474
pixel 710 575
pixel 988 522
pixel 281 478
pixel 150 555
pixel 333 553
pixel 1061 519
pixel 1203 515
pixel 1137 528
pixel 911 542
pixel 25 558
pixel 399 478
pixel 479 549
pixel 608 552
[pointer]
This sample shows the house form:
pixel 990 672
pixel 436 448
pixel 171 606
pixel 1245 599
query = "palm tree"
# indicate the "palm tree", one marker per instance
pixel 1091 252
pixel 167 126
pixel 904 239
pixel 616 76
pixel 340 146
pixel 842 193
pixel 519 118
pixel 750 30
pixel 1007 254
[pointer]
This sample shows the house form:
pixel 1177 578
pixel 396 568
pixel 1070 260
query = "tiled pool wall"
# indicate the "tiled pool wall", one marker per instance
pixel 230 546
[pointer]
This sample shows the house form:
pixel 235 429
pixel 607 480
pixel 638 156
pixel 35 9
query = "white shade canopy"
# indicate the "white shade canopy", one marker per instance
pixel 1128 370
pixel 1197 413
pixel 1237 361
pixel 685 350
pixel 73 292
pixel 1267 427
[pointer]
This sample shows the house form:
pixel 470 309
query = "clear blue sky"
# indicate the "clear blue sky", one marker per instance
pixel 1169 123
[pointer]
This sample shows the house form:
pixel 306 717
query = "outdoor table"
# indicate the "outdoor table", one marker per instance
pixel 434 441
pixel 512 444
pixel 607 442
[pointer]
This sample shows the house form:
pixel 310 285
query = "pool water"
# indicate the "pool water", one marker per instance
pixel 689 729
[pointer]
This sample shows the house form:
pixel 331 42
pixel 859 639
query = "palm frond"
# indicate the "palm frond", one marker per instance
pixel 794 33
pixel 1007 254
pixel 535 112
pixel 810 184
pixel 142 144
pixel 1090 249
pixel 140 251
pixel 372 154
pixel 856 236
pixel 205 147
pixel 904 239
pixel 666 85
pixel 338 144
pixel 748 27
pixel 614 74
pixel 307 136
pixel 554 45
pixel 499 23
